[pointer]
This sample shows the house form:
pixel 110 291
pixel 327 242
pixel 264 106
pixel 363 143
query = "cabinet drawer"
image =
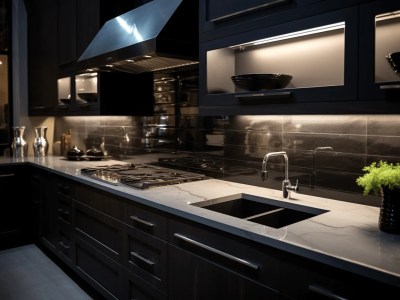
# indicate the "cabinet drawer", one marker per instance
pixel 136 288
pixel 147 257
pixel 99 230
pixel 99 270
pixel 104 202
pixel 306 279
pixel 146 219
pixel 249 259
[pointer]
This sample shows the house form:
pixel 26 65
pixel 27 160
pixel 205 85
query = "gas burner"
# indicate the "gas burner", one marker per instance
pixel 141 176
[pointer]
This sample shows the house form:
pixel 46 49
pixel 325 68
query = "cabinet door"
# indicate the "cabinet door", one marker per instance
pixel 306 279
pixel 193 277
pixel 14 213
pixel 242 262
pixel 380 24
pixel 42 56
pixel 220 18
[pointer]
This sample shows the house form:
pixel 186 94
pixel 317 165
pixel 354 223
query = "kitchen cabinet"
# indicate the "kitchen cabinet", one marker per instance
pixel 329 51
pixel 78 23
pixel 14 213
pixel 42 56
pixel 381 22
pixel 207 264
pixel 105 93
pixel 312 280
pixel 129 237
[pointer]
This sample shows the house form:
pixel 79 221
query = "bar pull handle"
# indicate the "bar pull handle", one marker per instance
pixel 324 292
pixel 218 252
pixel 62 244
pixel 141 221
pixel 6 175
pixel 249 10
pixel 141 258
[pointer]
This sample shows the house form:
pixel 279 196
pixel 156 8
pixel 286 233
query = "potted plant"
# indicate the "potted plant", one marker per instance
pixel 383 178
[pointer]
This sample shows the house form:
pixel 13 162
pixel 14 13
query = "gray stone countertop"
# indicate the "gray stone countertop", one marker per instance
pixel 347 236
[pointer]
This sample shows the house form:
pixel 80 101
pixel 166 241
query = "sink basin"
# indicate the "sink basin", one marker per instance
pixel 265 211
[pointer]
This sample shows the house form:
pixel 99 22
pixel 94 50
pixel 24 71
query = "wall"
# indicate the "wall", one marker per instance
pixel 355 141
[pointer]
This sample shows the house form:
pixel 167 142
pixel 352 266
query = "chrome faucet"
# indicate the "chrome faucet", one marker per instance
pixel 287 187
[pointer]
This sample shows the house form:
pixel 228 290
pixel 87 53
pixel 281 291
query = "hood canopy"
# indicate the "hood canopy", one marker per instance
pixel 147 38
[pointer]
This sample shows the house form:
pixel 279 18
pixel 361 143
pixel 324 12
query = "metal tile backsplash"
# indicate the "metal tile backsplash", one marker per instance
pixel 355 140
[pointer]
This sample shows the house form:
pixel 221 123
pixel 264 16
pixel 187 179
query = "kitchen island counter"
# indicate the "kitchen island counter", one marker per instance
pixel 346 237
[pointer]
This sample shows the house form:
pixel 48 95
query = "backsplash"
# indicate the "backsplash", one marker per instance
pixel 326 152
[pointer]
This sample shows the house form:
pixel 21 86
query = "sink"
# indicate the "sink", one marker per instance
pixel 264 211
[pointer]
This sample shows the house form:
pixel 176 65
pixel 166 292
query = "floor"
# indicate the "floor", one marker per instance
pixel 26 272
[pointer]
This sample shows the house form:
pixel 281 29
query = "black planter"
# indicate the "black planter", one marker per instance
pixel 389 218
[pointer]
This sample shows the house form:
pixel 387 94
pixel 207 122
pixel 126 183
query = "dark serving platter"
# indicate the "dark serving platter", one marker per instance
pixel 257 82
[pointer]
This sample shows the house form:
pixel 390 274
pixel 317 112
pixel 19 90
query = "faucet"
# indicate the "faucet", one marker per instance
pixel 287 187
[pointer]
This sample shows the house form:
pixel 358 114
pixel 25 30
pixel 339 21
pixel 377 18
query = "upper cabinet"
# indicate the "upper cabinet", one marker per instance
pixel 329 52
pixel 380 35
pixel 58 33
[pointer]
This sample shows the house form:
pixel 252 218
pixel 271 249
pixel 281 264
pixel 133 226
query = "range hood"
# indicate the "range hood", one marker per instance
pixel 160 34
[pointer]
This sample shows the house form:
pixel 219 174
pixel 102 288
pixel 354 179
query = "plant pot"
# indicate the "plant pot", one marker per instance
pixel 389 217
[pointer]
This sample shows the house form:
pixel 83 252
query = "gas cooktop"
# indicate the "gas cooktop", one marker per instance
pixel 140 176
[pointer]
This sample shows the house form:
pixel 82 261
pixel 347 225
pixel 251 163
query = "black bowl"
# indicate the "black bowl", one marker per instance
pixel 394 61
pixel 89 97
pixel 256 82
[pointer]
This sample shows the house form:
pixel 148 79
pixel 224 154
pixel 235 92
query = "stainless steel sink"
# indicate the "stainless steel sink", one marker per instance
pixel 265 211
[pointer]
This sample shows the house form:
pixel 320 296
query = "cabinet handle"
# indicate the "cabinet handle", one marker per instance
pixel 216 251
pixel 145 260
pixel 6 175
pixel 64 245
pixel 249 10
pixel 141 221
pixel 324 292
pixel 64 212
pixel 390 87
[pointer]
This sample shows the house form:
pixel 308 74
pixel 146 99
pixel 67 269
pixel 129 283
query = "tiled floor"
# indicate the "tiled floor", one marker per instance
pixel 27 273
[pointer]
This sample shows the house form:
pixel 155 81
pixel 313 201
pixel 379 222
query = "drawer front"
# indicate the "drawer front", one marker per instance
pixel 99 270
pixel 306 279
pixel 104 202
pixel 99 230
pixel 146 219
pixel 146 256
pixel 251 260
pixel 136 288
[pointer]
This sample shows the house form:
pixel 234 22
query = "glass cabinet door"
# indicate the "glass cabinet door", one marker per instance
pixel 379 39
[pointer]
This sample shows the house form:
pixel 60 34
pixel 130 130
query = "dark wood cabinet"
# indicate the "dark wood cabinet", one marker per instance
pixel 316 281
pixel 349 34
pixel 78 23
pixel 207 264
pixel 14 214
pixel 42 56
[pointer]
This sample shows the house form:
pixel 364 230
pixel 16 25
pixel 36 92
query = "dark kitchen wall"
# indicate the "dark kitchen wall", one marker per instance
pixel 326 153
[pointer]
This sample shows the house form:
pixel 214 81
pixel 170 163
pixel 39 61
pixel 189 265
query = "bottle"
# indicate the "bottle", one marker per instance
pixel 40 143
pixel 19 146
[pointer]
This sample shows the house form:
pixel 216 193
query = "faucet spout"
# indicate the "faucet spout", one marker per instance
pixel 286 185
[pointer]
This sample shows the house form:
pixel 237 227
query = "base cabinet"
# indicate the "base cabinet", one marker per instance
pixel 128 250
pixel 14 212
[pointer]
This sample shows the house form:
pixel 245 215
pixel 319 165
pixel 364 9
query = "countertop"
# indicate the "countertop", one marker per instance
pixel 347 236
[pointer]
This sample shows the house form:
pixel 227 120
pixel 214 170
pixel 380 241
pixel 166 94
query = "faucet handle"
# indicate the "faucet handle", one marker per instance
pixel 264 175
pixel 294 188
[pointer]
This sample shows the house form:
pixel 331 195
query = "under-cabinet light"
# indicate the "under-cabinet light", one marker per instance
pixel 291 35
pixel 387 16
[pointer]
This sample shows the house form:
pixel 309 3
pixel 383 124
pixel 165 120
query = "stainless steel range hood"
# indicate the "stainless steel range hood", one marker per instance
pixel 158 35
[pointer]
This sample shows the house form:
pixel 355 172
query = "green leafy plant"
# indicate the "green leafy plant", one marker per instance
pixel 380 174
